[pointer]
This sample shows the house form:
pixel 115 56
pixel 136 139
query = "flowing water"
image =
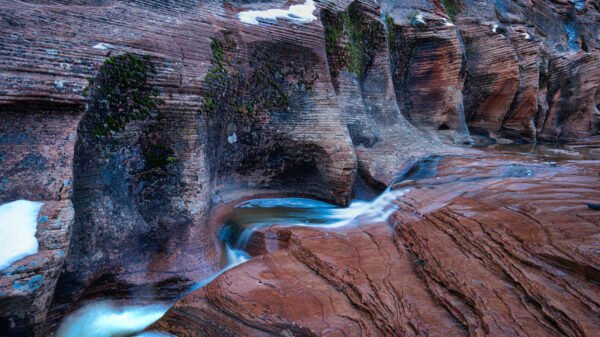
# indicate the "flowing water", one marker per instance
pixel 110 319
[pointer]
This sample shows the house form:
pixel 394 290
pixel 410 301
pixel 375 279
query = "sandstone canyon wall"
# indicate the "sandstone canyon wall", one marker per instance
pixel 225 109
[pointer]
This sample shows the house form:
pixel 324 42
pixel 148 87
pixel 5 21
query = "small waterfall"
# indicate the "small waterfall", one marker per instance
pixel 462 134
pixel 235 256
pixel 254 214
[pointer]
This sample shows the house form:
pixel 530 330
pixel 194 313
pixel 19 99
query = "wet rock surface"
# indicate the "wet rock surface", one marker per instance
pixel 208 110
pixel 490 245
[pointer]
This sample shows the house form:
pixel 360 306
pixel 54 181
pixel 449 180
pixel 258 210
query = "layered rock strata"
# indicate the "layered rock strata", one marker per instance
pixel 511 67
pixel 228 110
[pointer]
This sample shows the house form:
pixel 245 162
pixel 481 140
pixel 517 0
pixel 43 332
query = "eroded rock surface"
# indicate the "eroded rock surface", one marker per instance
pixel 510 53
pixel 487 245
pixel 274 108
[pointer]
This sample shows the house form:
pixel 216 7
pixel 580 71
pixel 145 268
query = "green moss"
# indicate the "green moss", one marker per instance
pixel 231 89
pixel 208 104
pixel 218 54
pixel 334 32
pixel 392 32
pixel 351 38
pixel 356 50
pixel 121 93
pixel 451 7
pixel 86 90
pixel 216 76
pixel 391 26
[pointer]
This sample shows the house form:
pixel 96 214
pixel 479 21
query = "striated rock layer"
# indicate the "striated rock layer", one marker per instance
pixel 481 245
pixel 499 65
pixel 131 120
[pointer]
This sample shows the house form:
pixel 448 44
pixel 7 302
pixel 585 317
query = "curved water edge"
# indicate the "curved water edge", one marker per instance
pixel 108 318
pixel 257 213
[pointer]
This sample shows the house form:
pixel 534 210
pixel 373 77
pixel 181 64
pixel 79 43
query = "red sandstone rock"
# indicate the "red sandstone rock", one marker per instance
pixel 359 64
pixel 519 122
pixel 426 68
pixel 132 233
pixel 491 77
pixel 572 98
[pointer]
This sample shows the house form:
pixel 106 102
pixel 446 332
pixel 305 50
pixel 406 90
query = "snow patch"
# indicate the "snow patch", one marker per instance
pixel 103 46
pixel 296 13
pixel 18 225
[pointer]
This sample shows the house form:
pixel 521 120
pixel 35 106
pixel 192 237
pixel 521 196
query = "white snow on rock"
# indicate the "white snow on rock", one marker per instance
pixel 18 224
pixel 296 13
pixel 103 46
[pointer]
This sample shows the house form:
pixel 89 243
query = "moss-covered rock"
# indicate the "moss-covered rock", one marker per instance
pixel 121 93
pixel 452 8
pixel 231 88
pixel 351 39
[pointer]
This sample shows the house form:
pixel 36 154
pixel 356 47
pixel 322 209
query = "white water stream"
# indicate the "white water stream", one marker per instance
pixel 110 319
